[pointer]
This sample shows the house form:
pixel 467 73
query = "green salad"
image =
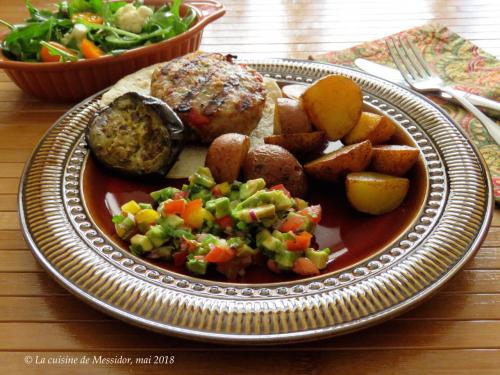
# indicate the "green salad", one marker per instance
pixel 86 29
pixel 226 226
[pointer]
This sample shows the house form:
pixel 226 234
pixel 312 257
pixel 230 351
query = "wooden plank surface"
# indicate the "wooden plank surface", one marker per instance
pixel 455 332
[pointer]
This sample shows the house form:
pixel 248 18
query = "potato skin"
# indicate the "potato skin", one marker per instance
pixel 331 167
pixel 290 117
pixel 299 144
pixel 226 156
pixel 277 166
pixel 333 104
pixel 375 128
pixel 395 160
pixel 375 193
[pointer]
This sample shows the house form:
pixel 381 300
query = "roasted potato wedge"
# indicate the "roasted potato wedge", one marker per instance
pixel 290 117
pixel 330 167
pixel 277 166
pixel 299 144
pixel 375 128
pixel 226 155
pixel 395 160
pixel 375 193
pixel 334 105
pixel 294 91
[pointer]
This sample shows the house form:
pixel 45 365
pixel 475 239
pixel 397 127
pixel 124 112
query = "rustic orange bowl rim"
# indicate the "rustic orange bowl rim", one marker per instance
pixel 201 22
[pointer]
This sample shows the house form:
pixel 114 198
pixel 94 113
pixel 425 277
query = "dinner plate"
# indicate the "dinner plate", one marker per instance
pixel 444 234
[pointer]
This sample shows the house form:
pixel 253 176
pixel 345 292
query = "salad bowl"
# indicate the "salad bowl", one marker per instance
pixel 72 81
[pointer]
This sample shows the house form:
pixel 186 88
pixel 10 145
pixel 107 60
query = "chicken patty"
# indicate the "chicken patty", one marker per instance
pixel 211 94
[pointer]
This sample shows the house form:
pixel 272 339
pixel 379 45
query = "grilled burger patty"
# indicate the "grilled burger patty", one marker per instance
pixel 211 94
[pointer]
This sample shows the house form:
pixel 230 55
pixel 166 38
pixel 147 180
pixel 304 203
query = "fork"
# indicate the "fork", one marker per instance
pixel 420 77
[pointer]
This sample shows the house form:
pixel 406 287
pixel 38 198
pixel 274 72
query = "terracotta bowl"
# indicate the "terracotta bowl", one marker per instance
pixel 72 81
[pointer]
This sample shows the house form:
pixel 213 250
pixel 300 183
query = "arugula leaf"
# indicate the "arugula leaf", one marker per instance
pixel 37 15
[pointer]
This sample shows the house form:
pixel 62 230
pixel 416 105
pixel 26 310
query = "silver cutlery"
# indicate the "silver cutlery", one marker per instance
pixel 491 107
pixel 419 76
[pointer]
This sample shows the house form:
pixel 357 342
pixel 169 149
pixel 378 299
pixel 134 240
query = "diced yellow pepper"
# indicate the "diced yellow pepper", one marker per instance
pixel 146 216
pixel 131 207
pixel 224 188
pixel 196 218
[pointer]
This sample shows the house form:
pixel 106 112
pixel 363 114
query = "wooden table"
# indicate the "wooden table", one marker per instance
pixel 457 332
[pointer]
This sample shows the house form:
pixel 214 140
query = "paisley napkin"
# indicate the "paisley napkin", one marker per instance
pixel 459 63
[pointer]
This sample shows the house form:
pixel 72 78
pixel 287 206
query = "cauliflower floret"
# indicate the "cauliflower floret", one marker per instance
pixel 78 33
pixel 130 18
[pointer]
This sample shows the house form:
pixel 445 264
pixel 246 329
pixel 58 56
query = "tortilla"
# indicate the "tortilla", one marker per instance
pixel 192 156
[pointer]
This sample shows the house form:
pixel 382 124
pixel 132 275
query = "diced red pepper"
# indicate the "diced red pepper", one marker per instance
pixel 313 213
pixel 292 223
pixel 225 222
pixel 220 254
pixel 301 242
pixel 282 188
pixel 180 258
pixel 197 119
pixel 174 207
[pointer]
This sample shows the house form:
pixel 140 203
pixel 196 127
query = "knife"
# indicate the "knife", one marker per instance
pixel 395 76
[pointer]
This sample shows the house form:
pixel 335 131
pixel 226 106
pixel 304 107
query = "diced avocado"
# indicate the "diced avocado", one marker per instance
pixel 164 194
pixel 276 197
pixel 245 250
pixel 318 257
pixel 267 242
pixel 300 204
pixel 282 201
pixel 203 194
pixel 241 225
pixel 250 187
pixel 235 242
pixel 197 266
pixel 222 207
pixel 156 235
pixel 131 207
pixel 202 177
pixel 125 227
pixel 165 252
pixel 141 242
pixel 234 196
pixel 144 206
pixel 250 215
pixel 285 259
pixel 171 220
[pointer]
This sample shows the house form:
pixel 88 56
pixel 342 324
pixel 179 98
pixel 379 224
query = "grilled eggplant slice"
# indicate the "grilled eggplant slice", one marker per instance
pixel 136 135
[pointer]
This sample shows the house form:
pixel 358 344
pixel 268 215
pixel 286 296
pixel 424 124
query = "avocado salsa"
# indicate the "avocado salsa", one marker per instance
pixel 226 226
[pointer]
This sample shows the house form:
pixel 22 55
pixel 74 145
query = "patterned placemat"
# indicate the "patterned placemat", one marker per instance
pixel 459 63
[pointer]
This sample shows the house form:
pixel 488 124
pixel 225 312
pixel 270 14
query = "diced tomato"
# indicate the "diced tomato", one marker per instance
pixel 197 119
pixel 220 254
pixel 292 223
pixel 188 245
pixel 301 242
pixel 313 213
pixel 225 222
pixel 193 215
pixel 282 188
pixel 180 195
pixel 216 191
pixel 304 266
pixel 175 207
pixel 273 266
pixel 180 258
pixel 47 57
